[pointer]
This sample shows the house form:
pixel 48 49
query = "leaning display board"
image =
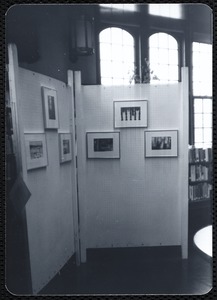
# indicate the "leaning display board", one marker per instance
pixel 49 211
pixel 129 202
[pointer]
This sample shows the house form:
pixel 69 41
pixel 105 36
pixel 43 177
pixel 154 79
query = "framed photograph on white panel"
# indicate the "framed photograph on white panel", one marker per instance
pixel 103 145
pixel 50 108
pixel 130 113
pixel 161 143
pixel 36 150
pixel 65 143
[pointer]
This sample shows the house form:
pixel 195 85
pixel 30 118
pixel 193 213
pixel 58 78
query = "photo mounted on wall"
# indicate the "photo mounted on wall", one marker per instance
pixel 50 108
pixel 103 144
pixel 36 150
pixel 65 143
pixel 130 113
pixel 161 143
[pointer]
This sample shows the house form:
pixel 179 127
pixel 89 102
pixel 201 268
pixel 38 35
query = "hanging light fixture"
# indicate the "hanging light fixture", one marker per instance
pixel 82 37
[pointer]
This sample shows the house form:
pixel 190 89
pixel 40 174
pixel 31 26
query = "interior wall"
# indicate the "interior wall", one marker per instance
pixel 49 211
pixel 131 201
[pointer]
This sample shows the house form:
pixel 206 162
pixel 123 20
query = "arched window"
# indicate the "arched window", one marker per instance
pixel 163 57
pixel 117 56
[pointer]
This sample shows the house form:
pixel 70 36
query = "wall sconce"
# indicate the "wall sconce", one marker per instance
pixel 82 38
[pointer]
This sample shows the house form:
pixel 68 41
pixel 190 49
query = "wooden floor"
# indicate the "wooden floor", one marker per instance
pixel 134 271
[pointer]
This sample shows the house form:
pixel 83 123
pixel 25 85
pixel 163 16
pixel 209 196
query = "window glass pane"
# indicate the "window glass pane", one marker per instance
pixel 106 68
pixel 173 57
pixel 198 135
pixel 105 51
pixel 207 120
pixel 198 120
pixel 106 81
pixel 164 56
pixel 207 105
pixel 198 105
pixel 116 36
pixel 207 135
pixel 117 52
pixel 166 10
pixel 173 75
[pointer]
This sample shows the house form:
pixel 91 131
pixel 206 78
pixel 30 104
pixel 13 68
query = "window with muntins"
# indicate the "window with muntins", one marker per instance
pixel 202 94
pixel 163 58
pixel 117 56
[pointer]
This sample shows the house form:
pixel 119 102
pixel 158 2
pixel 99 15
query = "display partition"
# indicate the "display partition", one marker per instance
pixel 133 201
pixel 51 209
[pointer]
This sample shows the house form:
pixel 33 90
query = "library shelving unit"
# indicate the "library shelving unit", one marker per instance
pixel 200 188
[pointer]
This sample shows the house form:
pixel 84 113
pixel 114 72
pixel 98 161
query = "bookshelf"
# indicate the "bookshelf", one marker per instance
pixel 200 189
pixel 200 174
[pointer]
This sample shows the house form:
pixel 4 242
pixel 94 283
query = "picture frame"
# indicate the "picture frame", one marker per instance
pixel 36 150
pixel 103 145
pixel 65 146
pixel 50 108
pixel 161 143
pixel 130 114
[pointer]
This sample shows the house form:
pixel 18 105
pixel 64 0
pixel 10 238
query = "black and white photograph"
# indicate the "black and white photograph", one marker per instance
pixel 65 146
pixel 50 108
pixel 109 149
pixel 130 113
pixel 36 150
pixel 103 144
pixel 161 143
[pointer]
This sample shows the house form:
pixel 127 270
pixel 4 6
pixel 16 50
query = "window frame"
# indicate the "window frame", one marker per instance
pixel 192 97
pixel 128 29
pixel 179 40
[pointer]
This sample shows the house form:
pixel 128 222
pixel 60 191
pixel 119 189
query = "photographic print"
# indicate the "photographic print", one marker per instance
pixel 50 108
pixel 36 151
pixel 65 143
pixel 130 113
pixel 161 143
pixel 103 145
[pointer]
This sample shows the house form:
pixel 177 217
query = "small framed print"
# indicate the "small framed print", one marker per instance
pixel 162 143
pixel 50 108
pixel 36 150
pixel 65 142
pixel 103 145
pixel 130 113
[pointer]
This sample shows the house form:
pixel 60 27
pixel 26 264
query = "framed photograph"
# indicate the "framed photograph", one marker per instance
pixel 65 142
pixel 103 145
pixel 50 108
pixel 161 143
pixel 36 150
pixel 130 113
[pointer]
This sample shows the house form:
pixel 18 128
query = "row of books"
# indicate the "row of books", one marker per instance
pixel 200 191
pixel 199 173
pixel 200 155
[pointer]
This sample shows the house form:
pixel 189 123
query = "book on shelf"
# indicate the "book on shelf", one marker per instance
pixel 199 155
pixel 200 191
pixel 199 173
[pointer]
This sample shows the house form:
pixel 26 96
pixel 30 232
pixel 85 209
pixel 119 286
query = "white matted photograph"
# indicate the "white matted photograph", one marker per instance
pixel 50 108
pixel 103 145
pixel 65 142
pixel 36 150
pixel 161 143
pixel 130 113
